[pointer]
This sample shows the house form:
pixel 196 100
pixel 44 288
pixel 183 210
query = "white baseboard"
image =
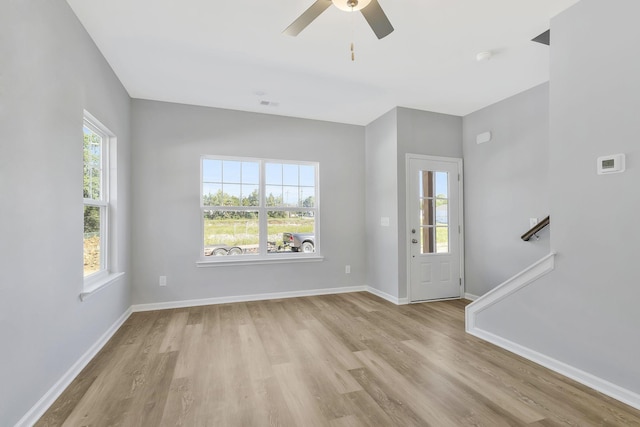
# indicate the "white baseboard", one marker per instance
pixel 514 284
pixel 34 414
pixel 244 298
pixel 386 296
pixel 508 287
pixel 262 297
pixel 590 380
pixel 470 297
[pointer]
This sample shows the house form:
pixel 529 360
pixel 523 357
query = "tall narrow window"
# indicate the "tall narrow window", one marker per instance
pixel 258 208
pixel 96 200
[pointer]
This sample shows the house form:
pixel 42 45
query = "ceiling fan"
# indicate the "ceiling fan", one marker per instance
pixel 370 9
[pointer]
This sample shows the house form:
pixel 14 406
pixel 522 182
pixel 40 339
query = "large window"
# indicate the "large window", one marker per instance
pixel 264 209
pixel 96 201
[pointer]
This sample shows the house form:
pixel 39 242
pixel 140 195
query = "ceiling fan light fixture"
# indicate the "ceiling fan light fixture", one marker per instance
pixel 370 9
pixel 346 4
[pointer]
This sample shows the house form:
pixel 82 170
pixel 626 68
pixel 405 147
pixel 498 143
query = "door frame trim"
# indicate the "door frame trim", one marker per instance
pixel 458 161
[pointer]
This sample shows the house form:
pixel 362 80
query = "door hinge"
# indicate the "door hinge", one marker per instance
pixel 459 229
pixel 458 177
pixel 460 281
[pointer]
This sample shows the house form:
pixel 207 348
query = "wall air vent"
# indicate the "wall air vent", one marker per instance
pixel 544 38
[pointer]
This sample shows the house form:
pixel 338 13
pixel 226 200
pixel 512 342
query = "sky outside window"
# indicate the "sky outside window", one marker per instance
pixel 286 184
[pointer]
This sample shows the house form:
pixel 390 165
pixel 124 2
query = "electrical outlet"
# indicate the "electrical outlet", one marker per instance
pixel 163 281
pixel 347 269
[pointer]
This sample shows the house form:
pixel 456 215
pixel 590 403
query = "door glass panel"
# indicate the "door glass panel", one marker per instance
pixel 434 211
pixel 427 216
pixel 442 211
pixel 427 240
pixel 442 185
pixel 442 240
pixel 426 184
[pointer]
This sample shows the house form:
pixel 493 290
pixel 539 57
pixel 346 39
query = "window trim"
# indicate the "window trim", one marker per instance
pixel 263 257
pixel 107 275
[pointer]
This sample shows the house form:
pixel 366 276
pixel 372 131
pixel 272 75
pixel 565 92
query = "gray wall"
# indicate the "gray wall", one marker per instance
pixel 169 140
pixel 382 201
pixel 421 132
pixel 51 71
pixel 388 140
pixel 506 183
pixel 585 312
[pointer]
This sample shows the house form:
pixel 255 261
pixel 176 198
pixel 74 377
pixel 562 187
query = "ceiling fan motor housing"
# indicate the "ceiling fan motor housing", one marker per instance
pixel 374 15
pixel 350 5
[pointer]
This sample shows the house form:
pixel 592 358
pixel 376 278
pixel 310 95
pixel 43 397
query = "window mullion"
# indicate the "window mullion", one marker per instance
pixel 94 202
pixel 262 211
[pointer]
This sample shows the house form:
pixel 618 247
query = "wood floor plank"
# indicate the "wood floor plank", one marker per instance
pixel 179 404
pixel 92 407
pixel 147 405
pixel 346 421
pixel 366 409
pixel 175 333
pixel 333 345
pixel 429 405
pixel 503 403
pixel 362 300
pixel 65 404
pixel 387 399
pixel 271 334
pixel 326 365
pixel 298 397
pixel 331 360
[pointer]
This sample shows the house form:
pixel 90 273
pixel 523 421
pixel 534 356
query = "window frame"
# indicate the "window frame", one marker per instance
pixel 263 257
pixel 107 274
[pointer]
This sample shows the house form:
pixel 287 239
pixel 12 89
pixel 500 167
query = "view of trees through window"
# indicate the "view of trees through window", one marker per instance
pixel 238 219
pixel 94 204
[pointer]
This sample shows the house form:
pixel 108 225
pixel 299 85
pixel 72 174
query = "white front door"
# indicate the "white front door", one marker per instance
pixel 434 234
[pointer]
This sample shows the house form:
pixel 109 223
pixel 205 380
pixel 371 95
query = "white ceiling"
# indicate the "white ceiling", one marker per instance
pixel 232 54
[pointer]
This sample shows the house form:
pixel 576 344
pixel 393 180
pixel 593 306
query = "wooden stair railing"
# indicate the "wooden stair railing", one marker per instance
pixel 535 229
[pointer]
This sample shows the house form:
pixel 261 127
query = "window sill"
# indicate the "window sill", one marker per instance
pixel 207 262
pixel 99 285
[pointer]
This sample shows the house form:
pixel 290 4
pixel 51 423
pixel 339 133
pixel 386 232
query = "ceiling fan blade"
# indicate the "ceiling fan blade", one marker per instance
pixel 307 17
pixel 377 20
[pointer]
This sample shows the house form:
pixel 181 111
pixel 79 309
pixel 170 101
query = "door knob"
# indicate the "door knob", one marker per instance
pixel 414 240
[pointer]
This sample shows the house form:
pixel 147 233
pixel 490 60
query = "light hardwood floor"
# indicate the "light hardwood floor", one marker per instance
pixel 337 360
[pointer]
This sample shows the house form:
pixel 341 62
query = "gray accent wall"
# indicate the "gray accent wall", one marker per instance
pixel 388 140
pixel 169 142
pixel 426 133
pixel 50 71
pixel 382 202
pixel 585 312
pixel 506 183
